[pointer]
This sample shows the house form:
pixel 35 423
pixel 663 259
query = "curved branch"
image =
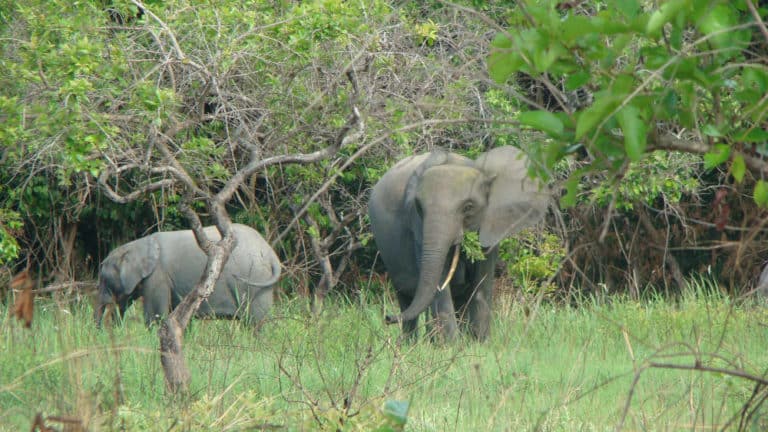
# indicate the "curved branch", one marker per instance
pixel 176 47
pixel 342 139
pixel 135 194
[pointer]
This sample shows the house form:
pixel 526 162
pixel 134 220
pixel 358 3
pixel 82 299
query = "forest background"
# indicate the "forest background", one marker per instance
pixel 89 88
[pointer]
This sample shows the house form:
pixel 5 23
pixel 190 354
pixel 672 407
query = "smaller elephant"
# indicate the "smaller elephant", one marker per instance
pixel 165 266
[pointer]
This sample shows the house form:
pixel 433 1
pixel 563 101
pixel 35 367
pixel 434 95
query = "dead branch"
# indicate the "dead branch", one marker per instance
pixel 697 366
pixel 344 137
pixel 656 238
pixel 671 142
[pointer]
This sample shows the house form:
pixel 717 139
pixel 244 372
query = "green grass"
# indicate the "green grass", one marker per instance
pixel 546 367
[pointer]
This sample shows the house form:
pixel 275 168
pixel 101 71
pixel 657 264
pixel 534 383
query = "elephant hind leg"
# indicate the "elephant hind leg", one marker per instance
pixel 478 306
pixel 259 303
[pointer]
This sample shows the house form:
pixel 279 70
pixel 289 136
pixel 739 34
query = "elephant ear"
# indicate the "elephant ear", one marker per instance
pixel 515 201
pixel 138 262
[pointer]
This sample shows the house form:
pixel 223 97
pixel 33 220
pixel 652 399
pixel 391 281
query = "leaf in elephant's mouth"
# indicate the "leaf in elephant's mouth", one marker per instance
pixel 471 247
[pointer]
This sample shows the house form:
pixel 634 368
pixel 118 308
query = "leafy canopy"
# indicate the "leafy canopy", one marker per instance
pixel 684 75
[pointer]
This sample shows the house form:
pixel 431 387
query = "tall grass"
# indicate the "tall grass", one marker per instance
pixel 545 367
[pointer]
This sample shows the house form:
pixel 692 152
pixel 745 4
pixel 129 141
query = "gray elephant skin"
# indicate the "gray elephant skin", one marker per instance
pixel 165 266
pixel 419 211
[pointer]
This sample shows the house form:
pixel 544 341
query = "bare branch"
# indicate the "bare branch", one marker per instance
pixel 671 142
pixel 255 165
pixel 361 151
pixel 179 172
pixel 176 47
pixel 697 366
pixel 135 194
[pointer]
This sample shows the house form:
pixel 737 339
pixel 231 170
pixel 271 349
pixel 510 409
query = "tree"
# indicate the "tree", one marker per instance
pixel 687 75
pixel 612 85
pixel 90 81
pixel 159 164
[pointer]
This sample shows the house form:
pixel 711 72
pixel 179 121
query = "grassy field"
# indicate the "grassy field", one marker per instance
pixel 546 367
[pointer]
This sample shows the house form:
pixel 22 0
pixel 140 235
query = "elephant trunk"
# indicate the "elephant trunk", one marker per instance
pixel 433 258
pixel 98 313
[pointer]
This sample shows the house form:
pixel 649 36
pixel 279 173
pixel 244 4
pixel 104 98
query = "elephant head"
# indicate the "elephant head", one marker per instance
pixel 448 194
pixel 122 271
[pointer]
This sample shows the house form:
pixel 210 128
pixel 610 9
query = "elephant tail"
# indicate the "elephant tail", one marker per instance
pixel 275 269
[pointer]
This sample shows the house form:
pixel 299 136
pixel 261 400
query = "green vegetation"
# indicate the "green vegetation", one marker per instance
pixel 683 75
pixel 546 367
pixel 603 95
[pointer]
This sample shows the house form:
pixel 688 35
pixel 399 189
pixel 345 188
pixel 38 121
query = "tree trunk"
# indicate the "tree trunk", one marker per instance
pixel 669 259
pixel 171 332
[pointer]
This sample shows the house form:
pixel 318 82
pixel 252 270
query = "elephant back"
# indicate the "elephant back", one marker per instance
pixel 181 258
pixel 253 259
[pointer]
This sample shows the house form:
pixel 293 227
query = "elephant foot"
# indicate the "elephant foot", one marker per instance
pixel 392 319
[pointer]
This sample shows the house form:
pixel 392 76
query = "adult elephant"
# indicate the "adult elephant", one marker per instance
pixel 419 211
pixel 165 266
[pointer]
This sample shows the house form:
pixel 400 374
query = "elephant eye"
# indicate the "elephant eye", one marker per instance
pixel 468 207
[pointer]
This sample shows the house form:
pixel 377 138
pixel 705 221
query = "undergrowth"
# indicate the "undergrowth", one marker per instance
pixel 600 364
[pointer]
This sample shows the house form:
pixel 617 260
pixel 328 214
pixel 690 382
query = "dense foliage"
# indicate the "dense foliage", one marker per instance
pixel 597 92
pixel 621 87
pixel 87 87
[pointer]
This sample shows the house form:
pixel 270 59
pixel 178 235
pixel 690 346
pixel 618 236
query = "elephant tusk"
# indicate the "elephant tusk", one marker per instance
pixel 452 270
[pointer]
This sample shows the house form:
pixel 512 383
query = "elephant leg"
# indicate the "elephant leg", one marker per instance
pixel 444 315
pixel 155 309
pixel 157 299
pixel 479 314
pixel 479 305
pixel 122 306
pixel 260 302
pixel 409 327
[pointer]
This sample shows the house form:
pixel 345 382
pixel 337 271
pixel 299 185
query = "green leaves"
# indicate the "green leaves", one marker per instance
pixel 542 120
pixel 718 24
pixel 503 62
pixel 471 247
pixel 643 70
pixel 718 155
pixel 738 168
pixel 588 120
pixel 571 189
pixel 635 132
pixel 663 15
pixel 761 193
pixel 10 224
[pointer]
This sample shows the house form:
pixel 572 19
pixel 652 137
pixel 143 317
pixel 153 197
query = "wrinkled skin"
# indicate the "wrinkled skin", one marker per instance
pixel 165 266
pixel 419 211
